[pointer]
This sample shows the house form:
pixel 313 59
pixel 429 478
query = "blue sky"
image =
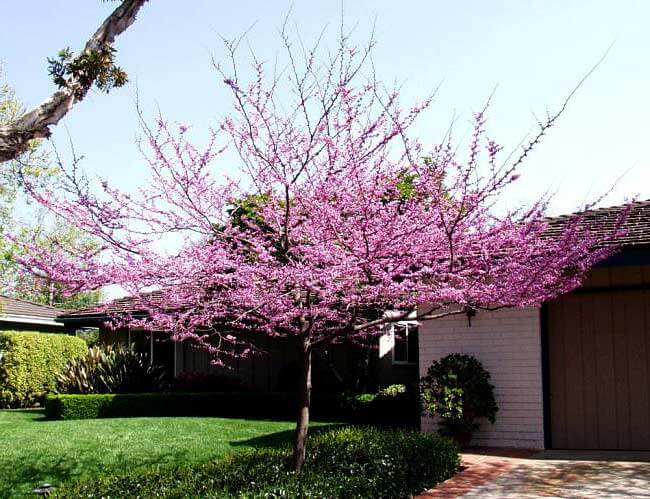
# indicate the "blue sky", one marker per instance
pixel 534 52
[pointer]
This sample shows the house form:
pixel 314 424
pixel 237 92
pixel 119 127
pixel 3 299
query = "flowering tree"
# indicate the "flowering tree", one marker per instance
pixel 338 215
pixel 32 165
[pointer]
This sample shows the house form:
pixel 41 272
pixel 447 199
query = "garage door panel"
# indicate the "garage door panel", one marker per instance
pixel 637 316
pixel 606 437
pixel 557 375
pixel 623 330
pixel 574 378
pixel 590 379
pixel 599 370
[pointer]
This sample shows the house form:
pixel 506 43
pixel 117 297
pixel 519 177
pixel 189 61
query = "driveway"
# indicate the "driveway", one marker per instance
pixel 563 474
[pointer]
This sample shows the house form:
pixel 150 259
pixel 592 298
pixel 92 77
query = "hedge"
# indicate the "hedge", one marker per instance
pixel 399 411
pixel 341 463
pixel 223 404
pixel 28 363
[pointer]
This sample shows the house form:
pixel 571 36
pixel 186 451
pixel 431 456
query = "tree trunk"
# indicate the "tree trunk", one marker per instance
pixel 302 423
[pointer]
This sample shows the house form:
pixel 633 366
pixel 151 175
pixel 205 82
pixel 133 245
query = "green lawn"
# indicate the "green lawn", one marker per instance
pixel 34 450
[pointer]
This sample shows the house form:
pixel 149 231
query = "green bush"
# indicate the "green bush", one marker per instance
pixel 110 369
pixel 392 391
pixel 29 363
pixel 341 463
pixel 227 404
pixel 90 335
pixel 369 409
pixel 458 391
pixel 394 405
pixel 81 375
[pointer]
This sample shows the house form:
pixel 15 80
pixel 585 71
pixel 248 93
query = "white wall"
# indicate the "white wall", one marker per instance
pixel 508 343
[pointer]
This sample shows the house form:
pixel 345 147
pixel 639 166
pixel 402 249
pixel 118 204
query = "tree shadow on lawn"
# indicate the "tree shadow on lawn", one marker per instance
pixel 18 479
pixel 281 438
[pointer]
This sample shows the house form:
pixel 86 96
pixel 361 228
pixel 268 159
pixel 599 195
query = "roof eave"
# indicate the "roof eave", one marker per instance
pixel 95 317
pixel 30 319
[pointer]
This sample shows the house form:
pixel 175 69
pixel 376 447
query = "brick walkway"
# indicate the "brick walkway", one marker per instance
pixel 512 473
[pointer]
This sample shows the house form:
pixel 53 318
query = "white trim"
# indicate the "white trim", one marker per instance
pixel 398 313
pixel 409 325
pixel 28 319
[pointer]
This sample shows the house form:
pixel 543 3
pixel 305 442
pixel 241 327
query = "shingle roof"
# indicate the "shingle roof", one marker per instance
pixel 634 219
pixel 126 305
pixel 602 221
pixel 18 307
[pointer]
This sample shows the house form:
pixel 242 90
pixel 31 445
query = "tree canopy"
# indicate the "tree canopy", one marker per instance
pixel 339 222
pixel 16 217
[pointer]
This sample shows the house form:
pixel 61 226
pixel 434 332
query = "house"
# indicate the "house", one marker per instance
pixel 574 373
pixel 571 374
pixel 340 367
pixel 23 315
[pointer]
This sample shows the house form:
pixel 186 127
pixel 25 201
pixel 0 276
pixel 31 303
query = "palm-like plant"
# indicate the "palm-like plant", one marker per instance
pixel 110 369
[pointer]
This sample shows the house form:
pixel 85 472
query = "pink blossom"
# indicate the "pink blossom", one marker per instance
pixel 348 220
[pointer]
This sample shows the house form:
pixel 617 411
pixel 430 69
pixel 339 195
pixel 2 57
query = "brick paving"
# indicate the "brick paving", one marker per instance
pixel 512 473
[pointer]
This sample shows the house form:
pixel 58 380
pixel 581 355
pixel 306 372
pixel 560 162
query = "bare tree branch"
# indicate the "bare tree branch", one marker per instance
pixel 35 124
pixel 551 118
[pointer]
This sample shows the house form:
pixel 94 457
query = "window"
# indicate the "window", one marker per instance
pixel 405 341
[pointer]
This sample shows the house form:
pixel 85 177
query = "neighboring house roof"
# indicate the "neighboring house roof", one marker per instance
pixel 26 312
pixel 635 226
pixel 634 219
pixel 127 305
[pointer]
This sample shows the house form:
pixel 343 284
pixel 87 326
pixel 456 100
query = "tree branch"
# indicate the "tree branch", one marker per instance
pixel 35 124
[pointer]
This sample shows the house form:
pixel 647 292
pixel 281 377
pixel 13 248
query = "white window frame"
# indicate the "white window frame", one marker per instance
pixel 409 325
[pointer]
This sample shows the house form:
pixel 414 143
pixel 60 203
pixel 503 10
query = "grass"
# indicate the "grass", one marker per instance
pixel 34 450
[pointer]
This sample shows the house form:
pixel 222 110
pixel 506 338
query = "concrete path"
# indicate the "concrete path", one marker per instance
pixel 524 474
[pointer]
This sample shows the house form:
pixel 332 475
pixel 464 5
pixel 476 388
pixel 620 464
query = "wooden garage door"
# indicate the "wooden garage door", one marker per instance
pixel 599 370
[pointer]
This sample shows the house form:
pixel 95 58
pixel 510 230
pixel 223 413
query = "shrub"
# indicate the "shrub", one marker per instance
pixel 110 369
pixel 394 405
pixel 378 463
pixel 29 362
pixel 230 404
pixel 81 375
pixel 392 391
pixel 457 389
pixel 90 335
pixel 345 462
pixel 368 409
